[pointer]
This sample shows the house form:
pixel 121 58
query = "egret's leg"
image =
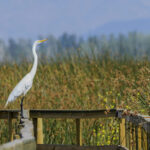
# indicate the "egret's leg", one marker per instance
pixel 21 105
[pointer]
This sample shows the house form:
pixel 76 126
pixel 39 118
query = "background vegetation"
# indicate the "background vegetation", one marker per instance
pixel 133 44
pixel 91 74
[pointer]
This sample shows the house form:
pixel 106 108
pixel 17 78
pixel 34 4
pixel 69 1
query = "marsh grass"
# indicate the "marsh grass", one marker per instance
pixel 80 83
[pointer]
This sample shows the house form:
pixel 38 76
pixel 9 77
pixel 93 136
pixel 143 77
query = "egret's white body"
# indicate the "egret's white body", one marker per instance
pixel 26 83
pixel 21 88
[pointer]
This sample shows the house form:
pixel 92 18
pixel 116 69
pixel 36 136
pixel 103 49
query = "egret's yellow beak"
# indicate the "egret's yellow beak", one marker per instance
pixel 40 41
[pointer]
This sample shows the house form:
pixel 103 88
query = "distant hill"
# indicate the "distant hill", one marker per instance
pixel 116 27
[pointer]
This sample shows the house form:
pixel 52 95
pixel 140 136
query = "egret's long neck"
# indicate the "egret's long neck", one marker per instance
pixel 34 68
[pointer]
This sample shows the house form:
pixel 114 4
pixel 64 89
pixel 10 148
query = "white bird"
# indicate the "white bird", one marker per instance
pixel 26 83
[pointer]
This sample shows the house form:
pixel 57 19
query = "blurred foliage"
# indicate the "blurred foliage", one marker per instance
pixel 80 80
pixel 133 44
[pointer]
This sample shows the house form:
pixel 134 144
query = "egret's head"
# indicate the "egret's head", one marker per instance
pixel 40 41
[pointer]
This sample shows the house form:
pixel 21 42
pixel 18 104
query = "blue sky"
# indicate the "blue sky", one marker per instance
pixel 30 18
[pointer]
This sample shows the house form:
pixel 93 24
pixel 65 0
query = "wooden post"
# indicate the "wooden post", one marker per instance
pixel 122 133
pixel 131 138
pixel 148 136
pixel 78 132
pixel 134 137
pixel 127 134
pixel 39 131
pixel 10 126
pixel 144 140
pixel 35 127
pixel 139 136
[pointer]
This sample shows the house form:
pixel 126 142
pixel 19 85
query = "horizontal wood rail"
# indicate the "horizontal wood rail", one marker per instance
pixel 63 113
pixel 76 114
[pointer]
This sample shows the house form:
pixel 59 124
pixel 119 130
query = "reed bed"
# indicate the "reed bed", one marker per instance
pixel 75 82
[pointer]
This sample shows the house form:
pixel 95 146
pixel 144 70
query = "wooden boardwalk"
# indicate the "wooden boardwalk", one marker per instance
pixel 134 128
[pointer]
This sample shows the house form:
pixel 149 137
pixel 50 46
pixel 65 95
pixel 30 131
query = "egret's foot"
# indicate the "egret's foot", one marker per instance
pixel 22 117
pixel 21 122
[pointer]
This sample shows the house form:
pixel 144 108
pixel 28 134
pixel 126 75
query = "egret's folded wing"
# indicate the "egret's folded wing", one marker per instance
pixel 17 91
pixel 21 88
pixel 14 94
pixel 27 87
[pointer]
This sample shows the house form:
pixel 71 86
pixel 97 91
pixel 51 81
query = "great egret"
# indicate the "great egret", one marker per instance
pixel 26 83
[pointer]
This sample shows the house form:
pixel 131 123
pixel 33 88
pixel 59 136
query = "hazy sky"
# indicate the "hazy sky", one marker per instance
pixel 30 18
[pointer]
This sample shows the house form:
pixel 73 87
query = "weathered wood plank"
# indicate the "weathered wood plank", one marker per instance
pixel 35 127
pixel 75 147
pixel 139 138
pixel 40 131
pixel 62 113
pixel 72 113
pixel 79 132
pixel 131 137
pixel 127 134
pixel 135 119
pixel 145 140
pixel 148 136
pixel 122 133
pixel 136 137
pixel 4 114
pixel 10 126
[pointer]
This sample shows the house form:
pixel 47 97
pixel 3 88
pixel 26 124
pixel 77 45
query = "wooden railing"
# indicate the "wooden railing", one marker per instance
pixel 37 116
pixel 134 128
pixel 134 131
pixel 25 139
